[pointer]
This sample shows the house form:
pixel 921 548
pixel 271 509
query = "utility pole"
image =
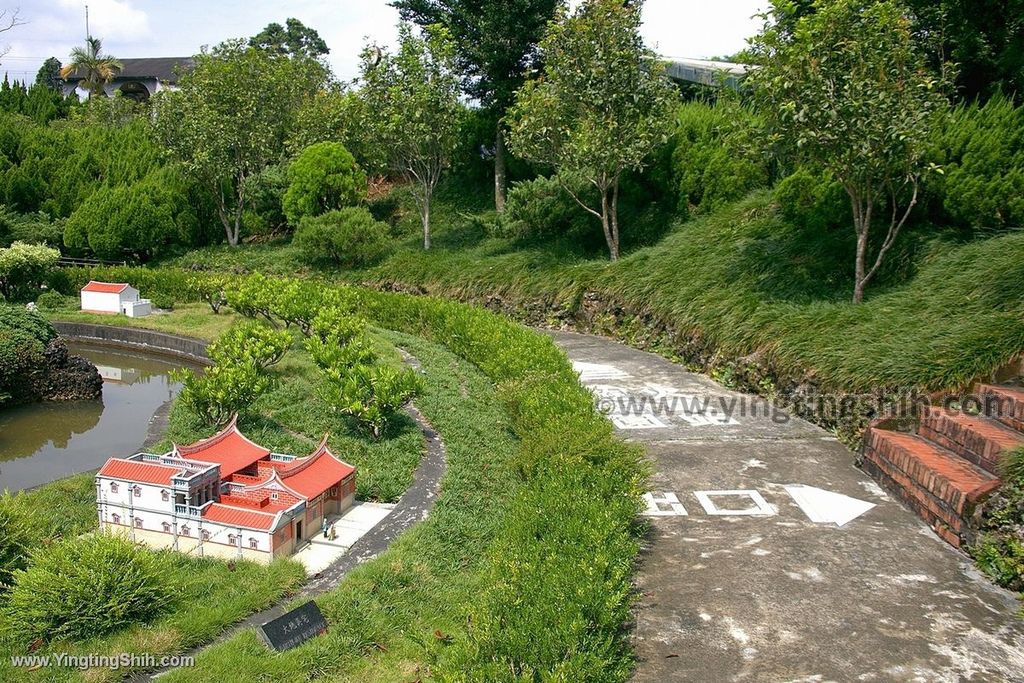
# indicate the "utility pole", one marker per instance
pixel 87 35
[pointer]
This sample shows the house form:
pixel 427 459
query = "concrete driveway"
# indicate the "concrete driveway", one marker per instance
pixel 772 558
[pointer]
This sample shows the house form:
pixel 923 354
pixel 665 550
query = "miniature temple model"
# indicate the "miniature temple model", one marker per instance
pixel 224 496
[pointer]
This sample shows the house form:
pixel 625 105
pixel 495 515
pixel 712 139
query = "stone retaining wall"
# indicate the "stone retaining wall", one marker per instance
pixel 149 341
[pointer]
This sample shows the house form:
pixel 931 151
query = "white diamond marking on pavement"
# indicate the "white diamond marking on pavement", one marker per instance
pixel 827 507
pixel 760 505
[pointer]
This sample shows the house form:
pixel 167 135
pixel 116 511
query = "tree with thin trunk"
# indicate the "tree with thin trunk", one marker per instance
pixel 600 107
pixel 495 47
pixel 93 68
pixel 409 111
pixel 847 89
pixel 231 118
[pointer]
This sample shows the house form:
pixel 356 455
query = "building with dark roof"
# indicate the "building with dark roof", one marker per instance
pixel 139 78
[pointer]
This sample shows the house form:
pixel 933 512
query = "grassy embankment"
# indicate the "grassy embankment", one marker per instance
pixel 212 594
pixel 741 294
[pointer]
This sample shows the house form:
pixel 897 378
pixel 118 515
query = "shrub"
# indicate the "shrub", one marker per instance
pixel 162 301
pixel 209 288
pixel 1001 556
pixel 238 377
pixel 249 341
pixel 338 340
pixel 372 394
pixel 24 268
pixel 84 587
pixel 137 220
pixel 252 296
pixel 52 301
pixel 349 237
pixel 540 209
pixel 982 149
pixel 23 339
pixel 323 178
pixel 814 201
pixel 711 163
pixel 295 303
pixel 222 390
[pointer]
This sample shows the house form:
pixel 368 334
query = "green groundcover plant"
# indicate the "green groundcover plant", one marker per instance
pixel 83 587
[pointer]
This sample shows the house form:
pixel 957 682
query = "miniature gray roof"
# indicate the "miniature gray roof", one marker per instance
pixel 161 68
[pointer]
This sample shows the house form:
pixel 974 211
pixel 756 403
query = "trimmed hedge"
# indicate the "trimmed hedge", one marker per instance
pixel 561 563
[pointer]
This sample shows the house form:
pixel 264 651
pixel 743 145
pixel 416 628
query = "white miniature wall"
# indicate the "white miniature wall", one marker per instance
pixel 105 302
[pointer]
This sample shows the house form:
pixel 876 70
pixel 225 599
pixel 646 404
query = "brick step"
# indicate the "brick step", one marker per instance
pixel 1003 403
pixel 940 486
pixel 976 438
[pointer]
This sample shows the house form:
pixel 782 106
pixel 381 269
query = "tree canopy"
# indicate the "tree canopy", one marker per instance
pixel 496 45
pixel 984 38
pixel 49 74
pixel 93 68
pixel 294 39
pixel 599 108
pixel 409 111
pixel 846 89
pixel 232 117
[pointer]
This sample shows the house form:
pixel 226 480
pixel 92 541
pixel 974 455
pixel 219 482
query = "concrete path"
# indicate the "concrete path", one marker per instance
pixel 772 558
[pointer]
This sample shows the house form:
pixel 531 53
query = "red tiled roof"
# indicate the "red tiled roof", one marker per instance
pixel 143 472
pixel 227 448
pixel 105 287
pixel 313 475
pixel 232 516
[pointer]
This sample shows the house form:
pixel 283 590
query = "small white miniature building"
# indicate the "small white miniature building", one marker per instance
pixel 114 298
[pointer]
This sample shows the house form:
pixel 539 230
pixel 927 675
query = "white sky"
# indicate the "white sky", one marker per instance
pixel 173 28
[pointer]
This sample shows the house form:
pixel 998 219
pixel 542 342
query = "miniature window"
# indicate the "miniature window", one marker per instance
pixel 116 518
pixel 273 495
pixel 205 534
pixel 253 543
pixel 137 491
pixel 334 491
pixel 167 528
pixel 138 522
pixel 231 539
pixel 185 531
pixel 113 487
pixel 165 496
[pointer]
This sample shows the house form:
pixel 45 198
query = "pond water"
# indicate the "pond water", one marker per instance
pixel 42 442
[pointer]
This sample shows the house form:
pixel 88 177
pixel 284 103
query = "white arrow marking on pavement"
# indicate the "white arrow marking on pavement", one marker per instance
pixel 827 507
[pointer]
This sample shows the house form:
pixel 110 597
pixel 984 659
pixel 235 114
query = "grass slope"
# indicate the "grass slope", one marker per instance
pixel 738 282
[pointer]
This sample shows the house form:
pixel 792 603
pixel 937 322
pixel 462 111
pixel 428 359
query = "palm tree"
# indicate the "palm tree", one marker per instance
pixel 95 70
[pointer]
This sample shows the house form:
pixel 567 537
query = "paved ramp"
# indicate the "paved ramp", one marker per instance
pixel 772 558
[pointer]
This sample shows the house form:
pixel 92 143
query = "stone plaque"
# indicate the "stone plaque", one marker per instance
pixel 294 628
